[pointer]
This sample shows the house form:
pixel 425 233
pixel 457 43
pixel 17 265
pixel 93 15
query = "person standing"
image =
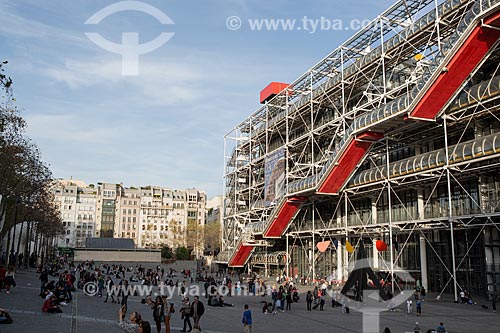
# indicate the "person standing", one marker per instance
pixel 418 305
pixel 289 301
pixel 158 312
pixel 10 279
pixel 417 328
pixel 186 314
pixel 168 315
pixel 130 325
pixel 247 319
pixel 206 285
pixel 197 310
pixel 44 279
pixel 100 285
pixel 321 302
pixel 309 300
pixel 3 271
pixel 125 293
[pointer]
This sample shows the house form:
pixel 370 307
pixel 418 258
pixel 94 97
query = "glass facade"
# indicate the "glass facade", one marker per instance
pixel 108 218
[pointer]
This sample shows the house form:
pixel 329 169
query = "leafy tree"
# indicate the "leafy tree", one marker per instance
pixel 25 181
pixel 166 252
pixel 5 81
pixel 181 253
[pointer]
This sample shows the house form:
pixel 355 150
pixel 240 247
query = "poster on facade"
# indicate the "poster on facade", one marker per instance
pixel 274 177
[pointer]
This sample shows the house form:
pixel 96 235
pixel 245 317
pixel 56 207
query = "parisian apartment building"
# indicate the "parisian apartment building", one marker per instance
pixel 152 216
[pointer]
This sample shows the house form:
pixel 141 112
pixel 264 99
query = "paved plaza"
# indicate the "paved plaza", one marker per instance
pixel 91 314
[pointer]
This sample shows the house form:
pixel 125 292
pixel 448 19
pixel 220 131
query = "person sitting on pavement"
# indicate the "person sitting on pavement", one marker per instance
pixel 60 294
pixel 5 317
pixel 50 305
pixel 219 302
pixel 223 303
pixel 266 309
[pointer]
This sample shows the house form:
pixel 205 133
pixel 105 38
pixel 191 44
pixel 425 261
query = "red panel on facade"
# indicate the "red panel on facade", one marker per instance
pixel 272 90
pixel 369 135
pixel 283 217
pixel 346 164
pixel 241 256
pixel 460 66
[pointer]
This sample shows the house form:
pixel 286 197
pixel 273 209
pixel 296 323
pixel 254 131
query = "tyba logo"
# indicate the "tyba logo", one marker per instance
pixel 130 49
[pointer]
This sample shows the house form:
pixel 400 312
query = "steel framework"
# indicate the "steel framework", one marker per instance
pixel 394 135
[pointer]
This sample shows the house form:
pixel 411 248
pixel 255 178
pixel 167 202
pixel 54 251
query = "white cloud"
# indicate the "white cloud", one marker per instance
pixel 24 27
pixel 162 81
pixel 69 129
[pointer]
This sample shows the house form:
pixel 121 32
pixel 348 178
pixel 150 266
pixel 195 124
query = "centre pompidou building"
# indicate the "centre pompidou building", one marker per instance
pixel 393 137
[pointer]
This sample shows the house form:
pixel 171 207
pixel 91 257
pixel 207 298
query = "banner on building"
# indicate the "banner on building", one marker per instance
pixel 274 186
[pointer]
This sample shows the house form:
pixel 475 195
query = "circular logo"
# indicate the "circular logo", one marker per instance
pixel 90 288
pixel 233 23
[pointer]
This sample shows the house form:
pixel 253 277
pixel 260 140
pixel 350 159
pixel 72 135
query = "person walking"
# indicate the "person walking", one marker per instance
pixel 110 289
pixel 186 314
pixel 418 305
pixel 309 300
pixel 197 310
pixel 417 328
pixel 247 319
pixel 409 306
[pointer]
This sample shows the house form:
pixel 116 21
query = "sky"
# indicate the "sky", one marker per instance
pixel 165 125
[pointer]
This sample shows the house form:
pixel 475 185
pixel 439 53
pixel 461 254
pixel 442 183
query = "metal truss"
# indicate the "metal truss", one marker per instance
pixel 371 82
pixel 452 166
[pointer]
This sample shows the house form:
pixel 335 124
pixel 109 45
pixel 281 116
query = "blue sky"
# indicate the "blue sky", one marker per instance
pixel 165 126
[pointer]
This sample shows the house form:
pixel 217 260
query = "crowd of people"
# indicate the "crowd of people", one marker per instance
pixel 59 279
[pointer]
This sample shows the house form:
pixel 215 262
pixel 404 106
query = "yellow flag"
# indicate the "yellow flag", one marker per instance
pixel 348 247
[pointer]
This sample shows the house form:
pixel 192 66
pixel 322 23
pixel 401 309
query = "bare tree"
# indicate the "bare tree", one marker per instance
pixel 212 236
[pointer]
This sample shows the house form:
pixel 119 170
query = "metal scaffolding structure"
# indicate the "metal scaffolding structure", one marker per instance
pixel 395 135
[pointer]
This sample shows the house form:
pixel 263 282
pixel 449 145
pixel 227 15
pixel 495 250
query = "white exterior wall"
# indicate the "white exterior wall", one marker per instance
pixel 78 211
pixel 151 216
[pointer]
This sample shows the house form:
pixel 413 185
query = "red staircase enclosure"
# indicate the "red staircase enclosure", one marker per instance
pixel 461 65
pixel 346 164
pixel 283 217
pixel 241 255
